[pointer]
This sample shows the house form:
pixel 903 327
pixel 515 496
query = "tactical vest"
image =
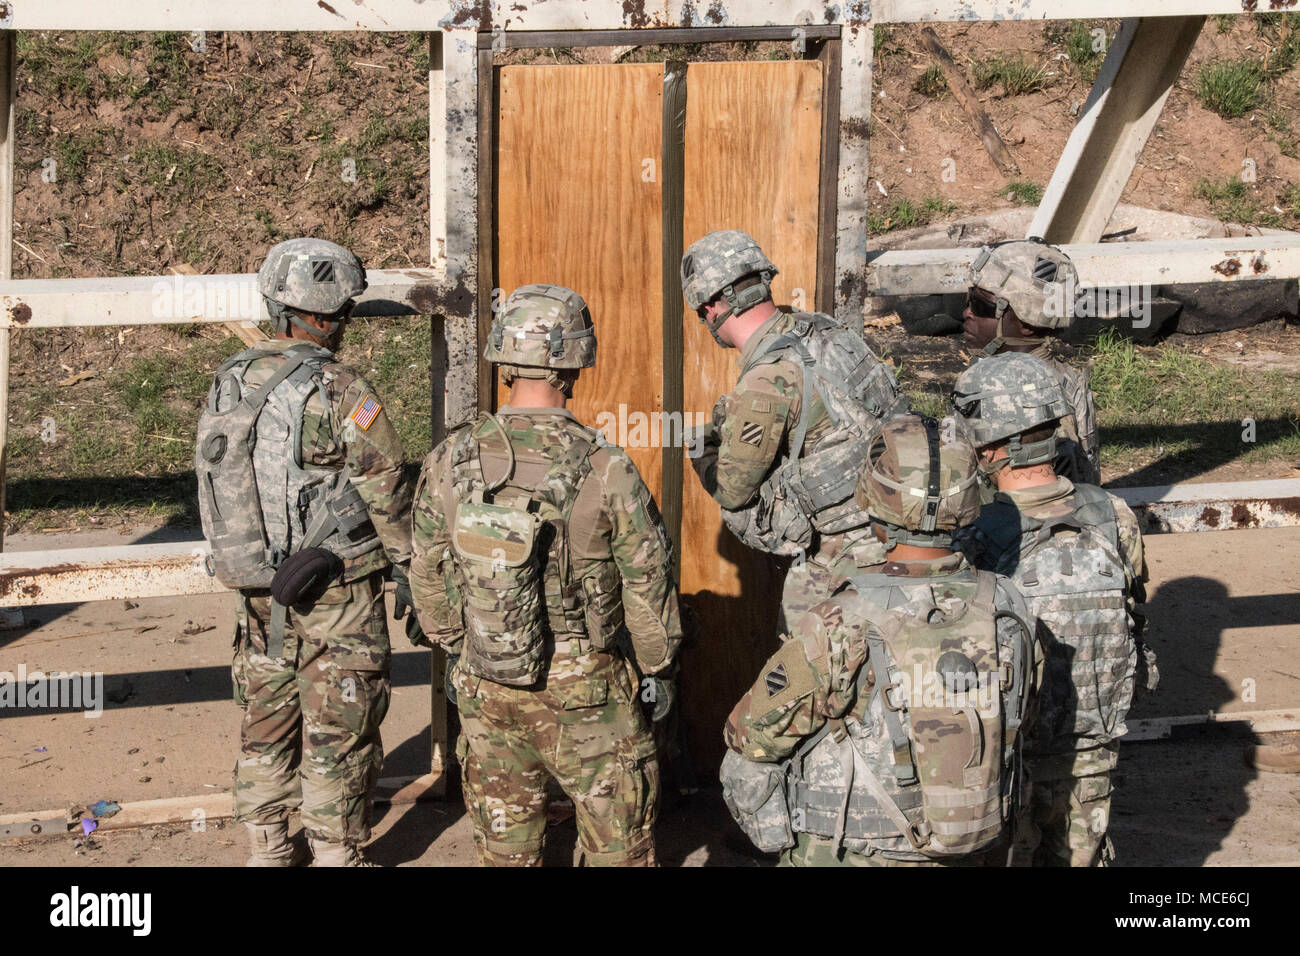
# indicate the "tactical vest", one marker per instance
pixel 1073 579
pixel 259 502
pixel 815 492
pixel 927 764
pixel 512 556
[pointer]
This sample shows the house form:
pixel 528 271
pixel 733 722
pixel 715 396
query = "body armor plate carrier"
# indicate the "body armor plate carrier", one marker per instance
pixel 928 762
pixel 815 492
pixel 258 501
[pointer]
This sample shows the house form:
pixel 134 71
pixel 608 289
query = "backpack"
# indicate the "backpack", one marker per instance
pixel 248 451
pixel 1073 579
pixel 929 759
pixel 815 492
pixel 511 553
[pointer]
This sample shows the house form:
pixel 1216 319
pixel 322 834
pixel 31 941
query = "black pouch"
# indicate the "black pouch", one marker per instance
pixel 304 576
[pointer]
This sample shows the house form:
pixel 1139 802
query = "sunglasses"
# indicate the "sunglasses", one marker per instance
pixel 981 307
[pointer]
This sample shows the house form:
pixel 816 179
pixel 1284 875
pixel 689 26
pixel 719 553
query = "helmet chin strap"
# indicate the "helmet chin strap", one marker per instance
pixel 283 315
pixel 738 302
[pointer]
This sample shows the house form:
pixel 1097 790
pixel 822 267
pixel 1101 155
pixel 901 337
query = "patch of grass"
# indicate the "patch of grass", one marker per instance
pixel 931 83
pixel 1229 199
pixel 188 170
pixel 1283 31
pixel 880 38
pixel 1147 390
pixel 1230 87
pixel 905 213
pixel 72 152
pixel 1017 75
pixel 1224 21
pixel 1289 200
pixel 417 51
pixel 1081 46
pixel 1024 193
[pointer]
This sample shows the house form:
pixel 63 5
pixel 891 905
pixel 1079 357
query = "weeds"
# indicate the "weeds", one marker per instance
pixel 1230 87
pixel 931 83
pixel 1017 75
pixel 1024 193
pixel 1228 198
pixel 905 213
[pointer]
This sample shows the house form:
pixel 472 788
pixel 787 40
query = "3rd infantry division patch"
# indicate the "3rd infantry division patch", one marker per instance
pixel 776 680
pixel 751 433
pixel 365 414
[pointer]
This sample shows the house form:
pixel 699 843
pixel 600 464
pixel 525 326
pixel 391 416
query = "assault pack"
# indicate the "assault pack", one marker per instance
pixel 259 502
pixel 1073 579
pixel 928 761
pixel 510 534
pixel 815 493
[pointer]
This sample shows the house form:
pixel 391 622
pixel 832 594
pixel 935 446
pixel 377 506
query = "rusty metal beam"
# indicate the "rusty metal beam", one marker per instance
pixel 1103 264
pixel 160 300
pixel 1260 721
pixel 72 576
pixel 1215 506
pixel 473 15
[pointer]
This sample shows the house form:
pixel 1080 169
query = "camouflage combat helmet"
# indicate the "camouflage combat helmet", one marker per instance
pixel 312 275
pixel 918 486
pixel 538 330
pixel 1002 397
pixel 711 267
pixel 1035 280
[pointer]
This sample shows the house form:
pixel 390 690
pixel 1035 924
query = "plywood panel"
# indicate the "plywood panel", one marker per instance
pixel 753 141
pixel 578 204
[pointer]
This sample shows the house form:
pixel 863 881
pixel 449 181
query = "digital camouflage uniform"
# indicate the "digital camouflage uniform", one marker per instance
pixel 1078 445
pixel 539 556
pixel 1076 552
pixel 820 664
pixel 756 429
pixel 310 735
pixel 882 758
pixel 1071 787
pixel 1034 279
pixel 581 722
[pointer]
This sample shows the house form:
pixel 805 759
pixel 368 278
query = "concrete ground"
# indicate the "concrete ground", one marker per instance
pixel 1225 620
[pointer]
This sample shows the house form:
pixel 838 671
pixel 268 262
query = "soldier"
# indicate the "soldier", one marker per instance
pixel 886 731
pixel 1075 552
pixel 536 545
pixel 1020 297
pixel 305 508
pixel 783 449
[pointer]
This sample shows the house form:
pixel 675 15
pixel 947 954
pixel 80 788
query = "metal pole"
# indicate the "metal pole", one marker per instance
pixel 7 64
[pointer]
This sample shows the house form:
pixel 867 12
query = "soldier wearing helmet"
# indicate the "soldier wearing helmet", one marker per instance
pixel 306 510
pixel 784 445
pixel 543 567
pixel 885 731
pixel 1075 553
pixel 1021 297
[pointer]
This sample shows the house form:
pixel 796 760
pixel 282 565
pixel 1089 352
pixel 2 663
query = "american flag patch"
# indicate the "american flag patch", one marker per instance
pixel 365 414
pixel 751 433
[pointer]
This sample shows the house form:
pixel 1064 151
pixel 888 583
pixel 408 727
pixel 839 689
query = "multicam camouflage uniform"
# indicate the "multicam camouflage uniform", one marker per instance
pixel 1087 631
pixel 828 673
pixel 310 735
pixel 756 425
pixel 576 715
pixel 1034 279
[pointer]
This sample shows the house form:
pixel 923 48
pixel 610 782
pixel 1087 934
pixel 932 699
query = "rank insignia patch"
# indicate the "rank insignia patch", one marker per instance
pixel 365 414
pixel 751 433
pixel 776 680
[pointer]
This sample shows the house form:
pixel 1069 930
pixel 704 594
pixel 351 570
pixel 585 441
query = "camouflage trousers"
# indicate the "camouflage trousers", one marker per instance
pixel 1065 823
pixel 812 850
pixel 310 734
pixel 584 728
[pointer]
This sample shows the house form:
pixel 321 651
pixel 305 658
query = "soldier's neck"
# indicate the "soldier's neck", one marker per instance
pixel 739 329
pixel 1014 479
pixel 536 393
